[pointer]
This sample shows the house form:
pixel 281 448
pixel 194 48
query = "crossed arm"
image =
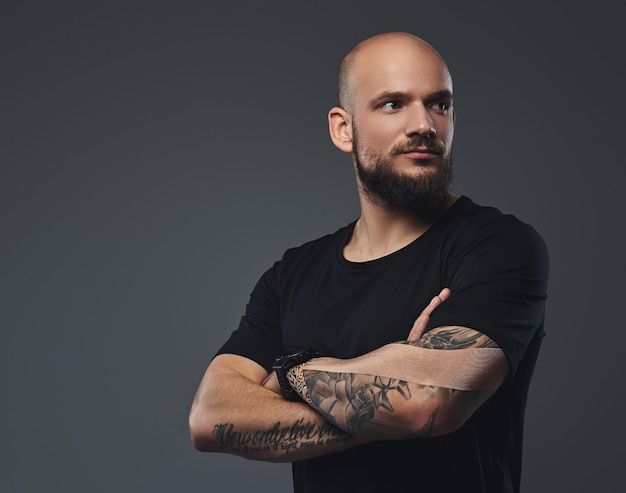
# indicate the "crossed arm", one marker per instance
pixel 238 409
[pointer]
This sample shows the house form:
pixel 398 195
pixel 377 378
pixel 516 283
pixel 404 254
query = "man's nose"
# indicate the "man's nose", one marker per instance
pixel 420 122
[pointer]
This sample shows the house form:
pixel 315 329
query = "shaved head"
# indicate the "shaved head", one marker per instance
pixel 365 52
pixel 396 117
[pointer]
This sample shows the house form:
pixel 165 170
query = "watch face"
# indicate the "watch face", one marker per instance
pixel 295 356
pixel 295 351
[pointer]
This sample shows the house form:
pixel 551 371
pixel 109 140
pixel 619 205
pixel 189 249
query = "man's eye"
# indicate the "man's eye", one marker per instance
pixel 441 106
pixel 390 105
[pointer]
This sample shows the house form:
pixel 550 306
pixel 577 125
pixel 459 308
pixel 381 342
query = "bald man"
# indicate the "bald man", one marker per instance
pixel 395 353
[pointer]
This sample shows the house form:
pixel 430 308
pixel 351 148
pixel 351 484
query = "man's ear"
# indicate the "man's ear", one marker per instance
pixel 340 128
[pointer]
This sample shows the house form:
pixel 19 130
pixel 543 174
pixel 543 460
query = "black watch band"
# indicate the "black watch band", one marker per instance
pixel 283 363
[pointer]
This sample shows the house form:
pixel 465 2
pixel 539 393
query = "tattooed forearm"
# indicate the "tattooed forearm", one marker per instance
pixel 356 397
pixel 452 338
pixel 280 437
pixel 374 401
pixel 352 401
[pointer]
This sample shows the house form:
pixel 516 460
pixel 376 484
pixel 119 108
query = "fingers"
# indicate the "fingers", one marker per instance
pixel 421 322
pixel 434 303
pixel 445 294
pixel 271 383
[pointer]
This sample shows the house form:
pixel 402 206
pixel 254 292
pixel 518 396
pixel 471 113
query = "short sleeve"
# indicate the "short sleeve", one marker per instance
pixel 498 281
pixel 258 336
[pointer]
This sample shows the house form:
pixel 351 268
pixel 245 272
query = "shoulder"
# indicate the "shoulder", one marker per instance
pixel 476 226
pixel 298 260
pixel 485 220
pixel 322 246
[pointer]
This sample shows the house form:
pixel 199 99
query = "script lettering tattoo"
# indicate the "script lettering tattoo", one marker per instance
pixel 285 438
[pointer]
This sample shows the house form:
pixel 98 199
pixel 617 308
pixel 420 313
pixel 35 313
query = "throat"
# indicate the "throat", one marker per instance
pixel 367 244
pixel 382 231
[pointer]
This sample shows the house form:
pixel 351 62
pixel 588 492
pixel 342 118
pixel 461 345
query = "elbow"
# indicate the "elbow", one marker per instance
pixel 202 436
pixel 447 422
pixel 436 419
pixel 200 441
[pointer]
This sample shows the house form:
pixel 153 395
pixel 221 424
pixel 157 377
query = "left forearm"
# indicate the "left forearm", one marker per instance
pixel 402 390
pixel 386 408
pixel 374 406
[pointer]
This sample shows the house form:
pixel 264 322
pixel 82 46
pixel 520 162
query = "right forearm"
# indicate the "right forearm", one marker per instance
pixel 232 414
pixel 283 441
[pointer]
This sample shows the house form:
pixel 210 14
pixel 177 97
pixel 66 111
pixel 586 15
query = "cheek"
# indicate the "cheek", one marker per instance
pixel 381 134
pixel 450 135
pixel 378 133
pixel 445 131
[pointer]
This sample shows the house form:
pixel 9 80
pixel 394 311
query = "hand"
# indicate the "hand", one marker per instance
pixel 422 321
pixel 271 383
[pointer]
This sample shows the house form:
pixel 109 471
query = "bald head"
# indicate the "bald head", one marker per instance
pixel 372 51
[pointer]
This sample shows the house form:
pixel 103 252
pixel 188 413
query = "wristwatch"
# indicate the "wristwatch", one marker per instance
pixel 283 363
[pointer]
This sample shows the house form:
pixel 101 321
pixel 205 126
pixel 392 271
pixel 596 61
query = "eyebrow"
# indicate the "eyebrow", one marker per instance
pixel 400 95
pixel 388 95
pixel 443 94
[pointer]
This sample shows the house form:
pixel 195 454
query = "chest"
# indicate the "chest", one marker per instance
pixel 345 312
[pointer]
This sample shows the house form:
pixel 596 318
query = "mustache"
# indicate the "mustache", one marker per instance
pixel 433 145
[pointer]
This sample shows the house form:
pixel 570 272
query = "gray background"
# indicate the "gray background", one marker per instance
pixel 157 157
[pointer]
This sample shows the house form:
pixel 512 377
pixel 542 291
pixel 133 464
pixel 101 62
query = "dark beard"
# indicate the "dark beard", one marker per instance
pixel 425 195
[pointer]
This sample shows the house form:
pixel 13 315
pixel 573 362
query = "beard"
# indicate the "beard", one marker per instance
pixel 425 194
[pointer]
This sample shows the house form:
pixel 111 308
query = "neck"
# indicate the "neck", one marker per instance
pixel 383 229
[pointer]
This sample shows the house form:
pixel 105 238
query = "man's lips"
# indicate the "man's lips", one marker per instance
pixel 420 153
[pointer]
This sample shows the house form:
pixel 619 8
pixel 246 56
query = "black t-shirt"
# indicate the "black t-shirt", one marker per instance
pixel 496 268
